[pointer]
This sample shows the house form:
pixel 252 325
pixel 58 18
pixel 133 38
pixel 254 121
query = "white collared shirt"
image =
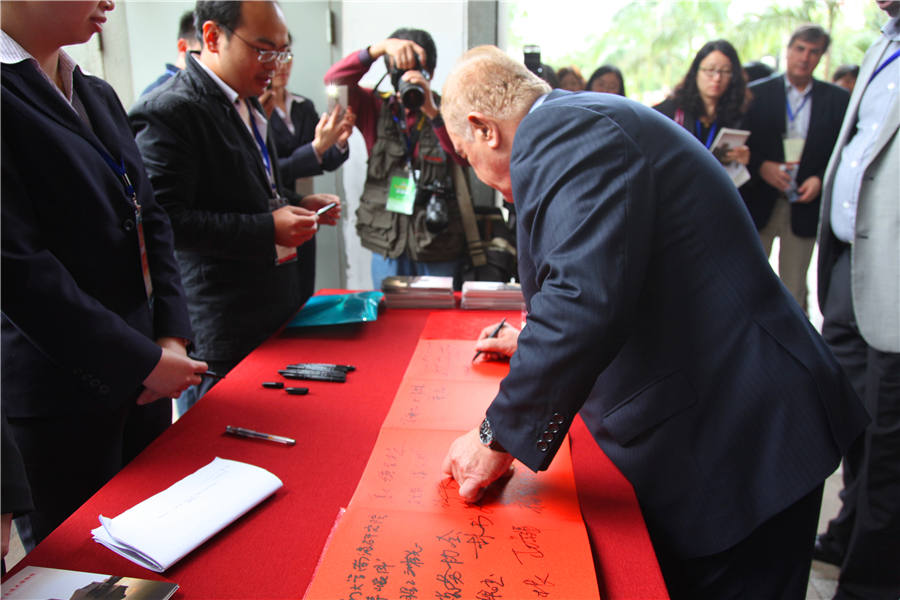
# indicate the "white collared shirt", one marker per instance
pixel 11 53
pixel 878 95
pixel 799 127
pixel 538 102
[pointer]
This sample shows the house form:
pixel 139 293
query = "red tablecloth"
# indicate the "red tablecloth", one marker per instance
pixel 272 551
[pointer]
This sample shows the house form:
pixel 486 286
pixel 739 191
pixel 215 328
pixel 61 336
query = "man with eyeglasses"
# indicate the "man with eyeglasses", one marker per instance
pixel 204 139
pixel 794 121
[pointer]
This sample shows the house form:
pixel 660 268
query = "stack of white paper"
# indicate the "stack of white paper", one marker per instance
pixel 492 295
pixel 418 291
pixel 162 529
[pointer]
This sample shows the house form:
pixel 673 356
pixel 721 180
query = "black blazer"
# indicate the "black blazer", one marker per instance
pixel 295 149
pixel 207 172
pixel 668 108
pixel 653 311
pixel 766 121
pixel 78 331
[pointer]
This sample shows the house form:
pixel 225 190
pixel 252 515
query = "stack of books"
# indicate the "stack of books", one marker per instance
pixel 406 291
pixel 492 295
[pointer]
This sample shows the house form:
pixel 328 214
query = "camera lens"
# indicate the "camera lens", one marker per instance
pixel 411 94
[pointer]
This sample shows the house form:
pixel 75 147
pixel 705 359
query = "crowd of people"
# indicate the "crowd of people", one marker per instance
pixel 144 254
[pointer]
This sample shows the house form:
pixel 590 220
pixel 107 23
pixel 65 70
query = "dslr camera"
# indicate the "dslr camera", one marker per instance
pixel 411 95
pixel 436 215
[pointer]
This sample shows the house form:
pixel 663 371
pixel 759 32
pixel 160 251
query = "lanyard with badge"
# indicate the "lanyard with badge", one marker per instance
pixel 793 139
pixel 283 254
pixel 402 191
pixel 698 129
pixel 792 144
pixel 119 169
pixel 264 150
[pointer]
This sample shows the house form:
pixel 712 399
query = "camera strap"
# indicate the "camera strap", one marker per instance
pixel 411 137
pixel 467 212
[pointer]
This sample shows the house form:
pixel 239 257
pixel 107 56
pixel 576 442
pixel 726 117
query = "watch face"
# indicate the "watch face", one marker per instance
pixel 486 433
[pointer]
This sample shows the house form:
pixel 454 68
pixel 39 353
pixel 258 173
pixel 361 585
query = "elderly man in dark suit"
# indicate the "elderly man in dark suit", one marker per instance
pixel 94 324
pixel 204 140
pixel 792 112
pixel 653 312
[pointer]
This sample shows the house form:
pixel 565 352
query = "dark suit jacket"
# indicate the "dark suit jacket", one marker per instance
pixel 78 331
pixel 295 149
pixel 653 311
pixel 207 172
pixel 15 492
pixel 766 121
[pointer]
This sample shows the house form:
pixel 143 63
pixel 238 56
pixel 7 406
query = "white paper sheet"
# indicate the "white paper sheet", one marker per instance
pixel 162 529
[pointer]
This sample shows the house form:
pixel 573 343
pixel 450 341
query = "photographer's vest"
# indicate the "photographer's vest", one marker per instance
pixel 389 233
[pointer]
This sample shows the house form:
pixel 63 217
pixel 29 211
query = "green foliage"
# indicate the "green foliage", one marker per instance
pixel 653 42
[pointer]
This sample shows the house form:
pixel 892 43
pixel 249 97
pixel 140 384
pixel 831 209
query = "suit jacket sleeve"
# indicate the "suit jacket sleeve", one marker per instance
pixel 16 493
pixel 334 157
pixel 176 157
pixel 584 198
pixel 302 162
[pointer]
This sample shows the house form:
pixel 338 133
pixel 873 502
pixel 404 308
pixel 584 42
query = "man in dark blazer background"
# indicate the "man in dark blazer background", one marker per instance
pixel 204 141
pixel 797 106
pixel 653 312
pixel 94 323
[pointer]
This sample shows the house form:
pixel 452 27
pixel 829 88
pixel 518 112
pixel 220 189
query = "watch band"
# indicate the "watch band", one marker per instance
pixel 486 435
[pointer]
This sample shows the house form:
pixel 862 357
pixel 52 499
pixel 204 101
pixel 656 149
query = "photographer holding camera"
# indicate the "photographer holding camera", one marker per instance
pixel 408 214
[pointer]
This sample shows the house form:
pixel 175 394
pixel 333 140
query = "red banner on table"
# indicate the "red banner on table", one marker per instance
pixel 407 535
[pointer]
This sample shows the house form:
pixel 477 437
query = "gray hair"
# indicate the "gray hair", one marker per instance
pixel 487 80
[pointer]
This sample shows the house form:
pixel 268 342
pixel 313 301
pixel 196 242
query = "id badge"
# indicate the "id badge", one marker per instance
pixel 284 255
pixel 142 248
pixel 402 195
pixel 793 148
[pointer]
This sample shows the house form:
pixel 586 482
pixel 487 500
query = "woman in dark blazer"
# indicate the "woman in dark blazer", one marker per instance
pixel 307 144
pixel 94 323
pixel 711 96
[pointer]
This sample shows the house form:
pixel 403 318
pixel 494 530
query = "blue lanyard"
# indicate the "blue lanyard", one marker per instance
pixel 698 127
pixel 259 140
pixel 886 62
pixel 411 140
pixel 119 169
pixel 793 115
pixel 263 149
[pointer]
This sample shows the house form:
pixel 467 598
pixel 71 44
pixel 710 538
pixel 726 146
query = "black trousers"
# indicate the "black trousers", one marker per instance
pixel 867 529
pixel 771 563
pixel 67 459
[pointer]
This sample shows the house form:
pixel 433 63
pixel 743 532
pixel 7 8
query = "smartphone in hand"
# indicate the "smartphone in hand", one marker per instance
pixel 326 208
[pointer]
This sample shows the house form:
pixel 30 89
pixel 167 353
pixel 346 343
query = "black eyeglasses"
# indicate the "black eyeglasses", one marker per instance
pixel 262 55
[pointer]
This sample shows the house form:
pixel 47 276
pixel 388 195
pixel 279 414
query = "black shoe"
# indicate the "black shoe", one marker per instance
pixel 827 551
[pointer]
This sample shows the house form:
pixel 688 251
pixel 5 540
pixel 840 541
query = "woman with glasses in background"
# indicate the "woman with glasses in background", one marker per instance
pixel 710 97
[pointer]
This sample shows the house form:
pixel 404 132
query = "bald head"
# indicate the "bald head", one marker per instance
pixel 487 81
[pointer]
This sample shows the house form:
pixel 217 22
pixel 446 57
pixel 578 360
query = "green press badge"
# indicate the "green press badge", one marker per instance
pixel 402 195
